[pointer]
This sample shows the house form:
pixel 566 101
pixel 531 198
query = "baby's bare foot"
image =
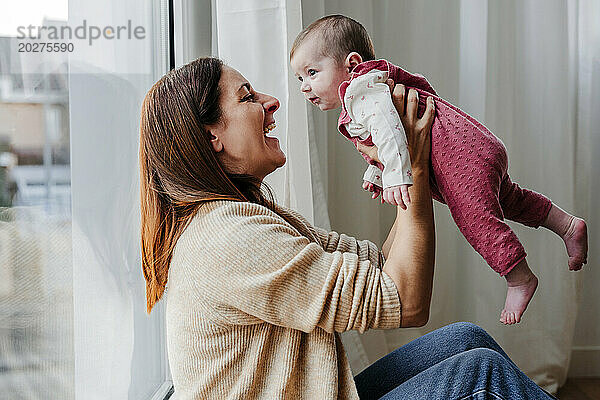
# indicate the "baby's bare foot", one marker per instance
pixel 577 244
pixel 521 287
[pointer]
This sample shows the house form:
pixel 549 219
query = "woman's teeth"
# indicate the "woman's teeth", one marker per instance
pixel 269 128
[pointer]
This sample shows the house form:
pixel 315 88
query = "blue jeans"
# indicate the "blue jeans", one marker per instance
pixel 458 361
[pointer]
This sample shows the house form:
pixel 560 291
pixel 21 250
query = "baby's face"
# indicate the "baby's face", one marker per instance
pixel 320 76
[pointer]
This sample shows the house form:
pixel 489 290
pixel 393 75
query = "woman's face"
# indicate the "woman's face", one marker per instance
pixel 239 138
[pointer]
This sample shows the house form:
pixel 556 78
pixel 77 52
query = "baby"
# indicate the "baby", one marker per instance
pixel 335 61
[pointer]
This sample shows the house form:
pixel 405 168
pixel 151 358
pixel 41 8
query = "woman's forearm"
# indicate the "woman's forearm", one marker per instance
pixel 411 256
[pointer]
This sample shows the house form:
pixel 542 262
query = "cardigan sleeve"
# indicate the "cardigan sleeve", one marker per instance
pixel 365 249
pixel 262 269
pixel 332 241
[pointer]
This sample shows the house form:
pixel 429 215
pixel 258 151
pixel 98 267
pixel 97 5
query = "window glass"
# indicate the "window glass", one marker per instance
pixel 36 296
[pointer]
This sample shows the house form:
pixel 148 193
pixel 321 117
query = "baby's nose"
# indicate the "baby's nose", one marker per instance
pixel 305 87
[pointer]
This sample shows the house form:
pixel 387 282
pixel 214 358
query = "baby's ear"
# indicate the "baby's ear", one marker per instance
pixel 352 60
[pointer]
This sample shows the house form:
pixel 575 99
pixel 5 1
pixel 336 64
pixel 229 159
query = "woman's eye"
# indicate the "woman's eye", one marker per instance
pixel 249 97
pixel 311 72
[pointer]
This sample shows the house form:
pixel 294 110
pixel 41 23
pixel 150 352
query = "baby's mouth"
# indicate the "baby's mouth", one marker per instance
pixel 313 100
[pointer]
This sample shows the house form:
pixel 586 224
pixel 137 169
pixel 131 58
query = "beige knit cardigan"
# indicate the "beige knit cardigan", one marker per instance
pixel 254 305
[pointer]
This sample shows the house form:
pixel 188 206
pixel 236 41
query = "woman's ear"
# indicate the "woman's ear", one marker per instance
pixel 215 142
pixel 352 60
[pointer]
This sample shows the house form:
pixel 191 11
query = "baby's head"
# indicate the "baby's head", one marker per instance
pixel 324 54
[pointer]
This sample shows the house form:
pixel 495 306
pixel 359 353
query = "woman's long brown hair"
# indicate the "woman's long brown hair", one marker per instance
pixel 179 170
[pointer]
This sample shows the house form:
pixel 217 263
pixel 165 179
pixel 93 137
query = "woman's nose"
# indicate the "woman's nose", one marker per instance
pixel 271 104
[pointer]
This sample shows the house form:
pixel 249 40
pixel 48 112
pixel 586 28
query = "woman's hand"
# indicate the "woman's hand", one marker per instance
pixel 371 151
pixel 418 130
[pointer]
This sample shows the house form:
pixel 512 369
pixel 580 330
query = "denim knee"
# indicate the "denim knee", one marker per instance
pixel 483 356
pixel 467 328
pixel 471 331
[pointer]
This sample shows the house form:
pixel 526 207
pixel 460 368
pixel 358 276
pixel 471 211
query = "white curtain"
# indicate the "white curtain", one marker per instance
pixel 586 349
pixel 255 37
pixel 524 69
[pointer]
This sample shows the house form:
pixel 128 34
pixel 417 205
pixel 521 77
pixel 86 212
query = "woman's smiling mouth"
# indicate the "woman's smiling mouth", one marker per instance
pixel 269 128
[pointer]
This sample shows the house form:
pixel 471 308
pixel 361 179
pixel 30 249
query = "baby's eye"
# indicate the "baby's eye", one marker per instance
pixel 300 78
pixel 311 72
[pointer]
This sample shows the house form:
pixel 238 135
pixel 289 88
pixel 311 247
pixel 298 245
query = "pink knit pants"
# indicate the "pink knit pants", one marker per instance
pixel 470 175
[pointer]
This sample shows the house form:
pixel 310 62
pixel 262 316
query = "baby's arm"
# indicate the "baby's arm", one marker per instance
pixel 370 106
pixel 373 175
pixel 372 181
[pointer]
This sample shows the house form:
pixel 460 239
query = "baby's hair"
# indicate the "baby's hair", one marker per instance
pixel 339 36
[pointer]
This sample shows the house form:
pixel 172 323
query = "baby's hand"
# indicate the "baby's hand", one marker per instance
pixel 372 188
pixel 397 195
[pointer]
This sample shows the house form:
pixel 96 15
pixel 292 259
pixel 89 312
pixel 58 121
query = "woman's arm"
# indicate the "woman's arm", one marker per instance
pixel 410 247
pixel 252 266
pixel 411 256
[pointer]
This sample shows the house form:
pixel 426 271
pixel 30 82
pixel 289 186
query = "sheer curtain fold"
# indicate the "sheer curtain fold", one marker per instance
pixel 586 349
pixel 261 55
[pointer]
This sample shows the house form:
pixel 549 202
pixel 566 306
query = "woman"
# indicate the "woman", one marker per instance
pixel 256 295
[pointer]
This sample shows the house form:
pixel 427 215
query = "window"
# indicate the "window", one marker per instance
pixel 36 291
pixel 72 295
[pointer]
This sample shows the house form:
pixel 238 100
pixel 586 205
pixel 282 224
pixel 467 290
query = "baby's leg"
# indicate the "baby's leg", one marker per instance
pixel 573 232
pixel 472 197
pixel 521 284
pixel 523 205
pixel 534 209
